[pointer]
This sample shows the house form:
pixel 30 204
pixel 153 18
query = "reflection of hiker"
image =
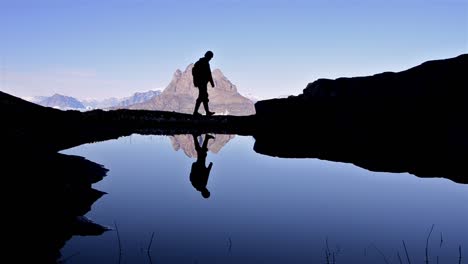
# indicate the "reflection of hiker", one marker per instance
pixel 201 73
pixel 200 173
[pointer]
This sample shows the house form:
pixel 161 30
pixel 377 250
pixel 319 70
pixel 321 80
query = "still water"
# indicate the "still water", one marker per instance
pixel 262 209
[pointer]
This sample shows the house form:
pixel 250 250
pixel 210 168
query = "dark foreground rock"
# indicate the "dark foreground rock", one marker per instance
pixel 410 121
pixel 48 196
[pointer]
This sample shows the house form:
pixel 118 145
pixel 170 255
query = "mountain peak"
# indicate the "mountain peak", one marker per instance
pixel 177 74
pixel 189 68
pixel 180 95
pixel 218 72
pixel 183 81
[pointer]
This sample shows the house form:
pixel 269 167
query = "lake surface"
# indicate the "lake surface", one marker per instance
pixel 262 209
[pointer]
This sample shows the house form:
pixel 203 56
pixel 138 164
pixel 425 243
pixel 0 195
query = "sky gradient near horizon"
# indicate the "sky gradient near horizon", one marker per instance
pixel 102 49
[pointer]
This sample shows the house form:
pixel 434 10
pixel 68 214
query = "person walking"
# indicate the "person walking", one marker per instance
pixel 201 73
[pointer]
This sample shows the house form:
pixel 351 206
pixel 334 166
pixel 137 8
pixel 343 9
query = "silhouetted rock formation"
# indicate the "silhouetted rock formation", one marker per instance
pixel 180 95
pixel 410 121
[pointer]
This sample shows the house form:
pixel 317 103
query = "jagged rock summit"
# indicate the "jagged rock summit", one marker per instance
pixel 180 95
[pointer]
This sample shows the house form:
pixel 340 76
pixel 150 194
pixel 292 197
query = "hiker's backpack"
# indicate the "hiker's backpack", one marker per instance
pixel 196 73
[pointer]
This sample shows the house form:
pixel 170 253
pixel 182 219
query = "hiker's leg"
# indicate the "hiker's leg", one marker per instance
pixel 205 104
pixel 205 142
pixel 196 143
pixel 203 96
pixel 197 105
pixel 208 112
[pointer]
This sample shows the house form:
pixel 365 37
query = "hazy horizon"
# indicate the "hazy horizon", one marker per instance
pixel 87 49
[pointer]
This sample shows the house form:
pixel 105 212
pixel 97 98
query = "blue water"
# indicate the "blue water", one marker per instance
pixel 263 209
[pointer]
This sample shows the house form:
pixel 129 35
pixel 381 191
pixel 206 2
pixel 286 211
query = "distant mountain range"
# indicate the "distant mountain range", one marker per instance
pixel 180 95
pixel 64 102
pixel 137 98
pixel 101 104
pixel 61 102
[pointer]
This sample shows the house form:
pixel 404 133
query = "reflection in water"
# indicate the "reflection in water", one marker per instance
pixel 291 210
pixel 197 146
pixel 186 143
pixel 200 172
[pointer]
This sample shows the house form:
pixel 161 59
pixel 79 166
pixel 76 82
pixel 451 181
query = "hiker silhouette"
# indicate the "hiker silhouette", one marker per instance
pixel 201 73
pixel 200 172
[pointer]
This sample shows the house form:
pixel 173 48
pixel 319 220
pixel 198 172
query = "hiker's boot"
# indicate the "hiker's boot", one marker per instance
pixel 195 111
pixel 207 109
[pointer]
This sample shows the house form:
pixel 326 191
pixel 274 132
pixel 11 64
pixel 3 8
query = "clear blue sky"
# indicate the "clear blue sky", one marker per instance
pixel 268 48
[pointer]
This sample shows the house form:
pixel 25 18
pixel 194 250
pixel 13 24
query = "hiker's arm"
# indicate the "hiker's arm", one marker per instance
pixel 211 77
pixel 211 81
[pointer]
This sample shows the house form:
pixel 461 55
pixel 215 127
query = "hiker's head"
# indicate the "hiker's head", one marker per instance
pixel 209 55
pixel 205 193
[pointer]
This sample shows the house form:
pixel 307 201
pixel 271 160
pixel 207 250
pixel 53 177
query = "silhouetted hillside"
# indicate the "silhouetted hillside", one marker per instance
pixel 410 121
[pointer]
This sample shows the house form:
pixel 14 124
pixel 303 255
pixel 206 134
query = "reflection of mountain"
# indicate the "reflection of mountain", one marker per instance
pixel 180 96
pixel 185 142
pixel 53 193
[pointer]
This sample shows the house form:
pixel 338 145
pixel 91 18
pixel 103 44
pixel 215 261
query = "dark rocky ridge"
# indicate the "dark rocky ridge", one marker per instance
pixel 410 121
